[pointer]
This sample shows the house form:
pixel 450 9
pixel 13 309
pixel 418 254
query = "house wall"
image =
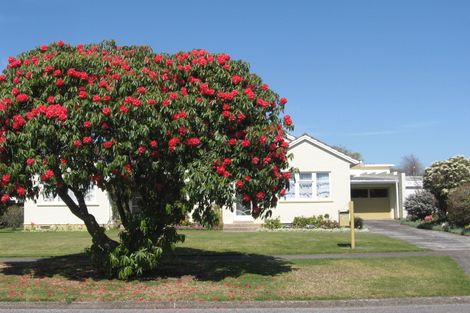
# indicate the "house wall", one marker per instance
pixel 310 158
pixel 42 213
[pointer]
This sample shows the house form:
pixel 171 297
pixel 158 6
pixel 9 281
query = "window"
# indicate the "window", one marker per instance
pixel 378 193
pixel 309 185
pixel 323 185
pixel 305 185
pixel 369 193
pixel 360 193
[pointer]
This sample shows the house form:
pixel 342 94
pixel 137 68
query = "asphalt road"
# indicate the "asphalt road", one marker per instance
pixel 435 308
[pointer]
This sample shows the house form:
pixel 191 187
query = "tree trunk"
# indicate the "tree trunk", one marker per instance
pixel 81 211
pixel 122 205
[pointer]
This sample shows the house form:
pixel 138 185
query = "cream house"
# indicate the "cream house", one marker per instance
pixel 325 182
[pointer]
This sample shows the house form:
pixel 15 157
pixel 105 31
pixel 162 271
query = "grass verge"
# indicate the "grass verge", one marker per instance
pixel 271 279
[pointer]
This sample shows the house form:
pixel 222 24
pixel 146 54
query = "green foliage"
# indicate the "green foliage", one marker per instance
pixel 458 212
pixel 319 221
pixel 443 176
pixel 272 223
pixel 12 217
pixel 420 205
pixel 178 131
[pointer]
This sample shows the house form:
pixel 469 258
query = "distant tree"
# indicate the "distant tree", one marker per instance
pixel 411 165
pixel 352 154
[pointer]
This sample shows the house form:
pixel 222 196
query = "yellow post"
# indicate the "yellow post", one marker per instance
pixel 351 219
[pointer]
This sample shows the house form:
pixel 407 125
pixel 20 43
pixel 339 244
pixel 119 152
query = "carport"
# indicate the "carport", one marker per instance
pixel 377 197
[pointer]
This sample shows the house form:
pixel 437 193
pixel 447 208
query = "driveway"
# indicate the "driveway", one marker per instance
pixel 444 243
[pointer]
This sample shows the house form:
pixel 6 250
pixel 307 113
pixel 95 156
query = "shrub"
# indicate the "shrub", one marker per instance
pixel 358 223
pixel 420 205
pixel 273 223
pixel 12 217
pixel 320 221
pixel 458 211
pixel 443 176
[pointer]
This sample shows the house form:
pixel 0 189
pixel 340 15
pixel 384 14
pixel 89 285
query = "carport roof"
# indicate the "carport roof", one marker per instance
pixel 374 178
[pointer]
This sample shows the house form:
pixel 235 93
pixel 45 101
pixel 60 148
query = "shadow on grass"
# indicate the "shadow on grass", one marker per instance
pixel 203 265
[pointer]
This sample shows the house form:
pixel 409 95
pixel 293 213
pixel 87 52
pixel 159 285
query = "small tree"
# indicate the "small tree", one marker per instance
pixel 184 132
pixel 411 166
pixel 459 206
pixel 443 176
pixel 420 205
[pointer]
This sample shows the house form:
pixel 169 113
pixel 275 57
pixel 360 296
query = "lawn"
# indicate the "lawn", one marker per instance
pixel 271 279
pixel 41 244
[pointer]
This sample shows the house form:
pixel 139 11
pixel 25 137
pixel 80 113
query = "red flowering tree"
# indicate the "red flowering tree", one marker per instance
pixel 184 132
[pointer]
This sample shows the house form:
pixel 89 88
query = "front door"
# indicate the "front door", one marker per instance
pixel 242 213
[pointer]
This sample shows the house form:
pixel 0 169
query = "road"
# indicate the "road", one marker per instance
pixel 415 308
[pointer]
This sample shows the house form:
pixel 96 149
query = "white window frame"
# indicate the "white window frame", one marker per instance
pixel 315 197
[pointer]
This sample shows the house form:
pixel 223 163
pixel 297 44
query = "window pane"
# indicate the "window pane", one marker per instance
pixel 305 190
pixel 359 193
pixel 305 176
pixel 290 194
pixel 379 193
pixel 323 185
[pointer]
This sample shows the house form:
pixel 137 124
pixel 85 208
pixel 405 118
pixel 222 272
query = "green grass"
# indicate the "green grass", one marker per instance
pixel 271 279
pixel 42 244
pixel 278 243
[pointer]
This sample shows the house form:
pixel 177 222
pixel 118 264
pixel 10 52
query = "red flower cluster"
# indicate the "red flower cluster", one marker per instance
pixel 22 97
pixel 108 144
pixel 236 79
pixel 172 143
pixel 227 96
pixel 106 111
pixel 249 93
pixel 47 175
pixel 77 74
pixel 287 120
pixel 179 115
pixel 52 111
pixel 5 198
pixel 18 121
pixel 262 103
pixel 6 179
pixel 87 140
pixel 205 90
pixel 134 101
pixel 193 142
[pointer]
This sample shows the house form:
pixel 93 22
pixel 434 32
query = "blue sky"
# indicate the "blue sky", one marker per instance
pixel 385 78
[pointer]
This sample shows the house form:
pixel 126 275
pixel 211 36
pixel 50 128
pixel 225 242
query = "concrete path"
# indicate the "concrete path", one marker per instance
pixel 442 243
pixel 429 239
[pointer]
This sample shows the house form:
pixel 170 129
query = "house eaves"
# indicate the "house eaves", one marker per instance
pixel 323 146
